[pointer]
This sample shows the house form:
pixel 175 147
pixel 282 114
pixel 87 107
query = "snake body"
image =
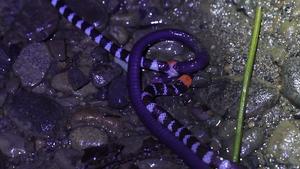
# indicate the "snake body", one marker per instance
pixel 156 119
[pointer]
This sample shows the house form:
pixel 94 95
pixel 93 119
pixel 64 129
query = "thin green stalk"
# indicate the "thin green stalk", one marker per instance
pixel 246 83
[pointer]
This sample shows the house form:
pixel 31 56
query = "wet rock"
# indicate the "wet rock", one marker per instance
pixel 290 79
pixel 65 158
pixel 85 91
pixel 35 114
pixel 129 19
pixel 105 156
pixel 68 101
pixel 167 49
pixel 99 55
pixel 222 97
pixel 61 83
pixel 102 94
pixel 227 129
pixel 284 143
pixel 12 145
pixel 12 85
pixel 3 95
pixel 57 49
pixel 3 160
pixel 252 140
pixel 117 93
pixel 119 33
pixel 132 145
pixel 200 112
pixel 32 64
pixel 201 79
pixel 37 21
pixel 102 118
pixel 157 164
pixel 251 161
pixel 84 137
pixel 77 78
pixel 5 64
pixel 103 74
pixel 8 12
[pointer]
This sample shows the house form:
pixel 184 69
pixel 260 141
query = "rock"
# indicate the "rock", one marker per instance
pixel 35 114
pixel 37 21
pixel 65 158
pixel 227 129
pixel 252 140
pixel 290 79
pixel 85 91
pixel 105 156
pixel 119 33
pixel 103 74
pixel 57 49
pixel 157 164
pixel 128 19
pixel 3 95
pixel 222 97
pixel 9 9
pixel 61 83
pixel 3 160
pixel 85 137
pixel 32 64
pixel 77 78
pixel 132 145
pixel 284 143
pixel 5 64
pixel 12 145
pixel 118 93
pixel 102 118
pixel 99 55
pixel 12 85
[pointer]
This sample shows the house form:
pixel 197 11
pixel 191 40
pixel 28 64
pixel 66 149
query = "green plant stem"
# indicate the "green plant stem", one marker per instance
pixel 246 83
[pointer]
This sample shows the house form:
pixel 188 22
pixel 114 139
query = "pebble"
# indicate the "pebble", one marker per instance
pixel 102 118
pixel 99 55
pixel 3 95
pixel 85 91
pixel 116 98
pixel 77 78
pixel 12 145
pixel 132 145
pixel 227 129
pixel 32 64
pixel 37 21
pixel 103 74
pixel 60 82
pixel 65 158
pixel 87 136
pixel 35 114
pixel 252 140
pixel 128 19
pixel 5 64
pixel 57 49
pixel 222 97
pixel 3 160
pixel 284 143
pixel 12 85
pixel 157 164
pixel 119 33
pixel 290 80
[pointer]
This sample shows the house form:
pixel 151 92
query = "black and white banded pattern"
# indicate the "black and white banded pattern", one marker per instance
pixel 180 132
pixel 107 44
